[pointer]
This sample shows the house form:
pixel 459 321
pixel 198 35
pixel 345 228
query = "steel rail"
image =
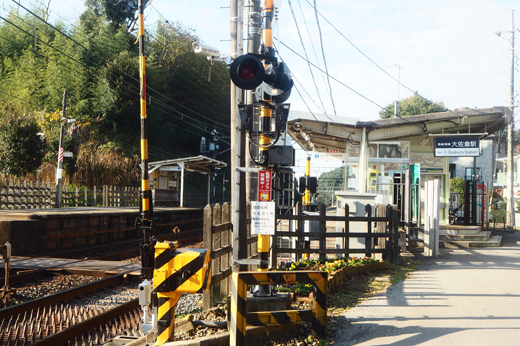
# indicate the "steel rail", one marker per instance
pixel 60 296
pixel 92 323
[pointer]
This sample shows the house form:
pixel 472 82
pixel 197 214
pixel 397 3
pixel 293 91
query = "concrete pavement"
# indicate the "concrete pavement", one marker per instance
pixel 464 297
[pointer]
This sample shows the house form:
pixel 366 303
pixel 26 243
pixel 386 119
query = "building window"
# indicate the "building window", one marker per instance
pixel 469 174
pixel 453 171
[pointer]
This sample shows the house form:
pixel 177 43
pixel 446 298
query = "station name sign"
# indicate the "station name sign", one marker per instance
pixel 457 146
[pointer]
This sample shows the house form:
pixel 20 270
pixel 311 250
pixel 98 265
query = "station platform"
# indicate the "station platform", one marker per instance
pixel 75 266
pixel 35 231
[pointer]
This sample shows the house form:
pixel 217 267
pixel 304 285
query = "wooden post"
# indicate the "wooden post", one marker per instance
pixel 217 243
pixel 208 244
pixel 368 239
pixel 346 242
pixel 299 230
pixel 388 255
pixel 225 240
pixel 323 230
pixel 77 197
pixel 395 247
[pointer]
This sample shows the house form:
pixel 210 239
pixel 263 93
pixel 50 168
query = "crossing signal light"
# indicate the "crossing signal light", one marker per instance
pixel 248 72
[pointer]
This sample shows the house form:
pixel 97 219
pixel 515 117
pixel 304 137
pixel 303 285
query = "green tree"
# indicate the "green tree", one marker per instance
pixel 117 12
pixel 21 147
pixel 329 182
pixel 457 185
pixel 413 106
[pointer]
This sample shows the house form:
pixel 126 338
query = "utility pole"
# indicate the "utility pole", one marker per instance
pixel 59 171
pixel 254 36
pixel 249 186
pixel 235 137
pixel 510 128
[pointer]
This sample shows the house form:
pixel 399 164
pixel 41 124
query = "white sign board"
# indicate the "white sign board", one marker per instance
pixel 68 154
pixel 263 217
pixel 170 169
pixel 329 156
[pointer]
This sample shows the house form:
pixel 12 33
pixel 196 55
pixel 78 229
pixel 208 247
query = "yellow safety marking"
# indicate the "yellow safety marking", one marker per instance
pixel 238 320
pixel 142 64
pixel 144 150
pixel 141 25
pixel 167 334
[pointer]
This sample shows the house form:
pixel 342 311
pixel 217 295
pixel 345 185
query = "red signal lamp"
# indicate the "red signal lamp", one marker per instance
pixel 247 72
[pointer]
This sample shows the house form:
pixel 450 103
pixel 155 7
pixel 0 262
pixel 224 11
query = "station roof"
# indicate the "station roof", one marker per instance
pixel 201 164
pixel 322 133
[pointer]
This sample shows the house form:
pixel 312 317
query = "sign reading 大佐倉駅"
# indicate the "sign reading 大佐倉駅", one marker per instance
pixel 457 146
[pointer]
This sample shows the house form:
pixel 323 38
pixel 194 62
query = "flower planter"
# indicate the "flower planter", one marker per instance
pixel 336 277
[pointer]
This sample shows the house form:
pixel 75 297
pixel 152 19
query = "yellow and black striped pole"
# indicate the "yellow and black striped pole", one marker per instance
pixel 237 328
pixel 307 201
pixel 265 120
pixel 307 196
pixel 145 187
pixel 145 220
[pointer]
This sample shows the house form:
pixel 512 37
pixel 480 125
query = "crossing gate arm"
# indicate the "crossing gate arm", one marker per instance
pixel 240 318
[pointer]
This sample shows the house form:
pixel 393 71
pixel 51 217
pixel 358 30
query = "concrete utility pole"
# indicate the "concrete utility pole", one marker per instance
pixel 510 167
pixel 254 36
pixel 59 171
pixel 510 128
pixel 235 135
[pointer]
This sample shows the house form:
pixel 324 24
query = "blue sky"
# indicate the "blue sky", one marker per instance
pixel 447 50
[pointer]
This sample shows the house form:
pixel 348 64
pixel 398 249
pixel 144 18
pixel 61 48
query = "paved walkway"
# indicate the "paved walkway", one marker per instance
pixel 464 297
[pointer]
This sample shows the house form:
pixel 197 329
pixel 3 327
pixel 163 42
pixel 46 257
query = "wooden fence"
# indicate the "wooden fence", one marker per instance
pixel 386 233
pixel 218 235
pixel 381 237
pixel 38 195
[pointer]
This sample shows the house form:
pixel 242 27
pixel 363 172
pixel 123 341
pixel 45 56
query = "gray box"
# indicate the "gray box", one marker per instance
pixel 282 155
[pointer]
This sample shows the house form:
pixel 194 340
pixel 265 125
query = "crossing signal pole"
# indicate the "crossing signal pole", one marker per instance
pixel 145 220
pixel 274 83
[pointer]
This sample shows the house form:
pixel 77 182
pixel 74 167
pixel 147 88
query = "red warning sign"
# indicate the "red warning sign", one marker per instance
pixel 264 186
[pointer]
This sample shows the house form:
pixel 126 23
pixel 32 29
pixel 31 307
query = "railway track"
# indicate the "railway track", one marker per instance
pixel 127 251
pixel 65 317
pixel 81 315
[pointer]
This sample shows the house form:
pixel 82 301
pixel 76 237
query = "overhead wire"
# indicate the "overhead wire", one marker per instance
pixel 307 57
pixel 193 83
pixel 379 67
pixel 19 99
pixel 132 86
pixel 310 40
pixel 324 59
pixel 107 62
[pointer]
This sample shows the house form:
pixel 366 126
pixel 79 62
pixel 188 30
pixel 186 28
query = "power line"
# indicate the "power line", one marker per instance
pixel 306 56
pixel 20 99
pixel 310 39
pixel 132 86
pixel 107 62
pixel 324 60
pixel 357 93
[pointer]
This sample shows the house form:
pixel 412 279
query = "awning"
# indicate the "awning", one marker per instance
pixel 201 164
pixel 325 133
